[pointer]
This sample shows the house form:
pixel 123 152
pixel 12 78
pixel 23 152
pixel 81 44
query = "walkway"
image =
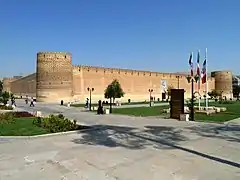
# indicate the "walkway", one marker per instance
pixel 125 148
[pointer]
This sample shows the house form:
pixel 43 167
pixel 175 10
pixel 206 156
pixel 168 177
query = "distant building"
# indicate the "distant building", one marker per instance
pixel 235 84
pixel 236 81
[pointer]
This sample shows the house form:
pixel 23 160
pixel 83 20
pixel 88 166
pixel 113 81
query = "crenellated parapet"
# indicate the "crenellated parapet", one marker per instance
pixel 128 72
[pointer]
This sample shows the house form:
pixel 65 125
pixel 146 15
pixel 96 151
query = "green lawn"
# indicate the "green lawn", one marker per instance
pixel 21 127
pixel 132 103
pixel 233 111
pixel 140 111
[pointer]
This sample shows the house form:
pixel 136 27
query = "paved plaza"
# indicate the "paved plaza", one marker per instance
pixel 124 148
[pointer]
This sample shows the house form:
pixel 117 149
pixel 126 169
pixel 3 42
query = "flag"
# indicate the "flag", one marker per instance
pixel 198 70
pixel 204 73
pixel 191 64
pixel 198 65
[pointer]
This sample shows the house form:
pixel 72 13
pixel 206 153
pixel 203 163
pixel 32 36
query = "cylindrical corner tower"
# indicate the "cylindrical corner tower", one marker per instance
pixel 223 83
pixel 54 76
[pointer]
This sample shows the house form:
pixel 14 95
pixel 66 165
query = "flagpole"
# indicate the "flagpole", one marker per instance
pixel 191 75
pixel 206 81
pixel 199 100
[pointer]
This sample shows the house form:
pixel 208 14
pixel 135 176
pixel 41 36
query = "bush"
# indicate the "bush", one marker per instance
pixel 56 123
pixel 3 107
pixel 6 118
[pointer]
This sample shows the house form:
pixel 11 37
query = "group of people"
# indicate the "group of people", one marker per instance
pixel 32 102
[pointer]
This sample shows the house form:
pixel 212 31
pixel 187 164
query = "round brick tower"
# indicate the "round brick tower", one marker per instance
pixel 223 83
pixel 54 76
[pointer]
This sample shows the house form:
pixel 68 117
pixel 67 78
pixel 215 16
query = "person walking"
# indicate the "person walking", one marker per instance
pixel 32 102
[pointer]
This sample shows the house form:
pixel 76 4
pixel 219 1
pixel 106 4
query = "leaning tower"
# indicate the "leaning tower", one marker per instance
pixel 54 76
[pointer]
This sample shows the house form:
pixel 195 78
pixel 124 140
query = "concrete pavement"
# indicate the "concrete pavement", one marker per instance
pixel 125 148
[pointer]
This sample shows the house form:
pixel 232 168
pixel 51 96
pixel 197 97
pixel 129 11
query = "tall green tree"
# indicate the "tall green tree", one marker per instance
pixel 113 91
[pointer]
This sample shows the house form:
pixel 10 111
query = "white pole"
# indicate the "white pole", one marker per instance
pixel 199 95
pixel 206 80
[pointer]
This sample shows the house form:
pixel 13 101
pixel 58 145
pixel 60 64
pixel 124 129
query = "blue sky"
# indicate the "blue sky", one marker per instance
pixel 153 35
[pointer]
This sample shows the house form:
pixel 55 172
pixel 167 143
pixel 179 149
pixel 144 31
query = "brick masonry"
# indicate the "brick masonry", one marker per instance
pixel 56 78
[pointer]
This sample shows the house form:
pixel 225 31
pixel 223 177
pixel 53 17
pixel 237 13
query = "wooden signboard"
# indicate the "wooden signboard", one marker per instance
pixel 176 103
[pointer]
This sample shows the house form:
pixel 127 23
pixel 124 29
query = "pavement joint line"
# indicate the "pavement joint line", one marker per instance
pixel 206 156
pixel 159 141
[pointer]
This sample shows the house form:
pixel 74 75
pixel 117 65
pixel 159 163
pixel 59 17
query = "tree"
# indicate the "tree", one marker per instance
pixel 113 91
pixel 214 94
pixel 168 92
pixel 236 91
pixel 1 86
pixel 4 97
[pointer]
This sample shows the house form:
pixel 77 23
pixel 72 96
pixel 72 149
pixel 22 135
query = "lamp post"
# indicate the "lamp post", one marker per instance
pixel 150 97
pixel 178 81
pixel 90 97
pixel 191 80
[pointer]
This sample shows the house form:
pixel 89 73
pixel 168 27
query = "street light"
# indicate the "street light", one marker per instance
pixel 90 97
pixel 178 80
pixel 150 96
pixel 191 80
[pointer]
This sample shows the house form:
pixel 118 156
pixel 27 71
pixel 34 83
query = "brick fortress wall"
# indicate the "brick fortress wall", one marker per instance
pixel 24 86
pixel 7 83
pixel 56 78
pixel 134 83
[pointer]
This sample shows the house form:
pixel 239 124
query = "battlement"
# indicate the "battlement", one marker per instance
pixel 62 53
pixel 54 56
pixel 126 71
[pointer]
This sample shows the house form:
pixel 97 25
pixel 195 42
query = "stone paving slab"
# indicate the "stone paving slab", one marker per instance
pixel 124 148
pixel 62 157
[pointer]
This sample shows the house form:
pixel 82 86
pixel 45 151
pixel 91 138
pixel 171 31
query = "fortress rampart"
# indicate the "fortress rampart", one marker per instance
pixel 24 86
pixel 7 83
pixel 57 79
pixel 223 83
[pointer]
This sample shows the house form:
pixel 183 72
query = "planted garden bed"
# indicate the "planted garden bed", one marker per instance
pixel 26 124
pixel 3 107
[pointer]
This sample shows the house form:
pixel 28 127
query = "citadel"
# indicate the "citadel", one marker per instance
pixel 56 79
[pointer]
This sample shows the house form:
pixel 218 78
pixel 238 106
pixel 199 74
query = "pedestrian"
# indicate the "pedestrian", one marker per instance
pixel 87 103
pixel 32 102
pixel 13 101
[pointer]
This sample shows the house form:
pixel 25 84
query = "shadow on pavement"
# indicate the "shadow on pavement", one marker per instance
pixel 121 136
pixel 159 137
pixel 226 132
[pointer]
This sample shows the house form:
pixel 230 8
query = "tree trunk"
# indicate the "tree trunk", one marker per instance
pixel 110 111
